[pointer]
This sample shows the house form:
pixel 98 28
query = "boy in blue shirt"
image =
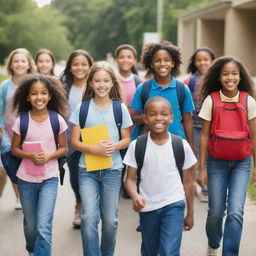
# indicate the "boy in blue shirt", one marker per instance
pixel 164 60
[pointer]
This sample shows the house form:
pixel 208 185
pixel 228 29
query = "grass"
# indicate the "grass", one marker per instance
pixel 252 191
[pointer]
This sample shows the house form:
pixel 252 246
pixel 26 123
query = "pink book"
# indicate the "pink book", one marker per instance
pixel 30 167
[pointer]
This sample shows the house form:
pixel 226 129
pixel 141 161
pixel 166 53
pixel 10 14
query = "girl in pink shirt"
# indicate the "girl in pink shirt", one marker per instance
pixel 126 59
pixel 126 56
pixel 36 95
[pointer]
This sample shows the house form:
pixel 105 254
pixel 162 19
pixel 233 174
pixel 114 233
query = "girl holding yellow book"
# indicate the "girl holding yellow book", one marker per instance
pixel 100 189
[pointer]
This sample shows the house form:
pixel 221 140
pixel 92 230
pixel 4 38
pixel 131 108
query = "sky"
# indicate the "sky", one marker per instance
pixel 41 3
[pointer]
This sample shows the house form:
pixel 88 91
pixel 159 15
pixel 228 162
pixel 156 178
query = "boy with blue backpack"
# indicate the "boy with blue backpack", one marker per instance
pixel 164 60
pixel 161 163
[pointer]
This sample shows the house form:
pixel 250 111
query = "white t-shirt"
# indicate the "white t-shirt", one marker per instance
pixel 160 181
pixel 75 97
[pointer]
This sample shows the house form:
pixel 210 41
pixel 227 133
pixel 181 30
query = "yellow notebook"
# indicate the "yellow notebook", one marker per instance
pixel 92 136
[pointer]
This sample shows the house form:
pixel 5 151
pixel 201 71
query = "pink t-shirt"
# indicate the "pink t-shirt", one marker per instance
pixel 40 131
pixel 129 88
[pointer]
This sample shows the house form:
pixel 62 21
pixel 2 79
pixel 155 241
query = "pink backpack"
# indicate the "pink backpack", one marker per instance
pixel 229 132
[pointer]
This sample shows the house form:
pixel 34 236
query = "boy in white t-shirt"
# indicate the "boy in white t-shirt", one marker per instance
pixel 160 200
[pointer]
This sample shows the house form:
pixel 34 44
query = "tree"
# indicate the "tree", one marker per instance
pixel 23 24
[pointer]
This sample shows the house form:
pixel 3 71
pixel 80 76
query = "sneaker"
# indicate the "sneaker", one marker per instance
pixel 18 205
pixel 30 254
pixel 212 252
pixel 77 219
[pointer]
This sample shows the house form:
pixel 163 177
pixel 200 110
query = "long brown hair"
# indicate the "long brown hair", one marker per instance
pixel 116 91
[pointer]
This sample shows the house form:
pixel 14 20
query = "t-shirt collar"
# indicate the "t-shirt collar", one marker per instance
pixel 155 85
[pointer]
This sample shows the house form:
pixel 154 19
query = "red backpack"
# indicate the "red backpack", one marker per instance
pixel 229 132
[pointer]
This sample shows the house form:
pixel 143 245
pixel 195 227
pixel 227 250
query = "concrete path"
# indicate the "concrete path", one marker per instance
pixel 67 241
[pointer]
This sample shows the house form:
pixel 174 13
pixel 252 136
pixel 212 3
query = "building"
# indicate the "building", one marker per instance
pixel 226 26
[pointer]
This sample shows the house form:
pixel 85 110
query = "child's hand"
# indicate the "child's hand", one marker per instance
pixel 188 223
pixel 139 203
pixel 202 178
pixel 38 158
pixel 1 132
pixel 104 148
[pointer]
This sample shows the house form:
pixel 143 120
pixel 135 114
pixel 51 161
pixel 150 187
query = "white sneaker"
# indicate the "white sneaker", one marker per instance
pixel 212 252
pixel 77 218
pixel 18 205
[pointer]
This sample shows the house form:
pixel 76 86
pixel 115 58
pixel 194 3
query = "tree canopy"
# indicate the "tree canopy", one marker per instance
pixel 97 26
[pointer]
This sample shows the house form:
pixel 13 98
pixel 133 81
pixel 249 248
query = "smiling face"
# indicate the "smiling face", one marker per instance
pixel 203 61
pixel 44 64
pixel 162 64
pixel 125 60
pixel 38 96
pixel 19 64
pixel 79 67
pixel 158 116
pixel 101 84
pixel 230 78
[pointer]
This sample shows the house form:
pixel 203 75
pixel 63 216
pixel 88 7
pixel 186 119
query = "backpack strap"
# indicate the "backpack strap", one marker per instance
pixel 24 119
pixel 118 114
pixel 55 123
pixel 192 82
pixel 145 92
pixel 243 96
pixel 180 89
pixel 83 113
pixel 179 154
pixel 140 149
pixel 136 79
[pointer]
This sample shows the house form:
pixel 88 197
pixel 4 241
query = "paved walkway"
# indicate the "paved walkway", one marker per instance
pixel 67 241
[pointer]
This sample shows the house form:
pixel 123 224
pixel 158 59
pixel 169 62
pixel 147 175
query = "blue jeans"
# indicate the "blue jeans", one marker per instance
pixel 227 187
pixel 161 230
pixel 100 192
pixel 38 202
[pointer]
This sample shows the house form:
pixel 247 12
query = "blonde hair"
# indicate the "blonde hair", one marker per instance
pixel 116 91
pixel 32 66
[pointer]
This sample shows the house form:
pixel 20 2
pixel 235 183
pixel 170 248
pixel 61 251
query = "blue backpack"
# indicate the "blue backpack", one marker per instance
pixel 118 114
pixel 11 163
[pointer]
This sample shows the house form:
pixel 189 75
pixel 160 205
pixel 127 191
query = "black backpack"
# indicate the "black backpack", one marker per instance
pixel 140 149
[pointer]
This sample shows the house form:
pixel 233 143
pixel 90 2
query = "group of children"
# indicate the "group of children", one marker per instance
pixel 159 185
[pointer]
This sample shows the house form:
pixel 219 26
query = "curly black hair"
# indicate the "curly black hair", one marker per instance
pixel 212 82
pixel 191 67
pixel 58 101
pixel 150 49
